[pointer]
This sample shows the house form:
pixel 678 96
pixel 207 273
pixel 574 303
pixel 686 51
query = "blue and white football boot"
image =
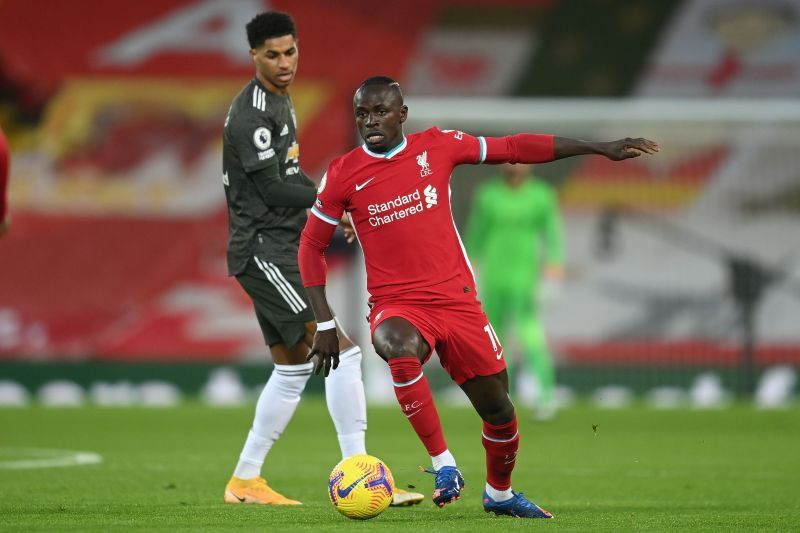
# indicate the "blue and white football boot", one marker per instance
pixel 448 485
pixel 519 506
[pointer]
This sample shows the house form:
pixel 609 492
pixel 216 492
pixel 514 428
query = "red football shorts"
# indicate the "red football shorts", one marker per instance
pixel 459 332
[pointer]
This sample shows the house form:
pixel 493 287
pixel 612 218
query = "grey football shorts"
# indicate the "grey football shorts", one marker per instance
pixel 279 299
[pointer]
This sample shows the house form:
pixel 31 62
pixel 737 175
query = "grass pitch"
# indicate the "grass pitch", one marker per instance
pixel 638 469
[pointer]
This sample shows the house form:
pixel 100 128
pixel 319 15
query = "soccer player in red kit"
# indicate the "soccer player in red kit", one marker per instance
pixel 422 290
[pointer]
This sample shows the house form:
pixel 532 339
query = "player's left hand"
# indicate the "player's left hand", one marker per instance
pixel 628 148
pixel 326 349
pixel 347 227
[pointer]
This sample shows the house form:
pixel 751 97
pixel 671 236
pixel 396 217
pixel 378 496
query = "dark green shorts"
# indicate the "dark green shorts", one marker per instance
pixel 279 299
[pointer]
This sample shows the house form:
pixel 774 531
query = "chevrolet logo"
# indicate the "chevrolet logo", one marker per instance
pixel 293 153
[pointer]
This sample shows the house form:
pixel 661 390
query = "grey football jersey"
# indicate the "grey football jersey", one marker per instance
pixel 260 131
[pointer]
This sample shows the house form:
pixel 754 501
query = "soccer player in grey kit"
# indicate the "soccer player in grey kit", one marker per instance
pixel 267 195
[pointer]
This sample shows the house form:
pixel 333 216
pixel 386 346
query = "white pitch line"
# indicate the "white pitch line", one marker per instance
pixel 46 458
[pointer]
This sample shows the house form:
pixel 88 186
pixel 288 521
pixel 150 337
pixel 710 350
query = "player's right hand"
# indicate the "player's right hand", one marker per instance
pixel 347 227
pixel 326 349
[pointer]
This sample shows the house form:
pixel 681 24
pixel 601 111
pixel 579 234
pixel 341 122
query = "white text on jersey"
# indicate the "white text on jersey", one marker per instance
pixel 396 209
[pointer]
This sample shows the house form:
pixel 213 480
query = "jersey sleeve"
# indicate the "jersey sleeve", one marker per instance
pixel 462 147
pixel 305 180
pixel 251 137
pixel 520 148
pixel 331 202
pixel 314 240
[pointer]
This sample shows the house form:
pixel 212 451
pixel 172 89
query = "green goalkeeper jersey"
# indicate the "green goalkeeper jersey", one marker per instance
pixel 513 232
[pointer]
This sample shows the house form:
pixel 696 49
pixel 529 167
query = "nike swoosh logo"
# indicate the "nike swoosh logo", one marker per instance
pixel 362 185
pixel 349 488
pixel 412 414
pixel 499 355
pixel 237 497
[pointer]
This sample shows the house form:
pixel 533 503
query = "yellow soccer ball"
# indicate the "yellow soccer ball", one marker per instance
pixel 361 487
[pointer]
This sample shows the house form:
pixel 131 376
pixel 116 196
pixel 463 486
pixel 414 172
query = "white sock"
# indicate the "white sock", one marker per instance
pixel 498 495
pixel 274 409
pixel 443 459
pixel 344 392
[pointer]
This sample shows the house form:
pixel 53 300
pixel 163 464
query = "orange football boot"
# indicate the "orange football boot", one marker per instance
pixel 254 490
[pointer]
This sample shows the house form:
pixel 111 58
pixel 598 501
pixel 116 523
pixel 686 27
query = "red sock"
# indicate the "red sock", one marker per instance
pixel 414 394
pixel 501 443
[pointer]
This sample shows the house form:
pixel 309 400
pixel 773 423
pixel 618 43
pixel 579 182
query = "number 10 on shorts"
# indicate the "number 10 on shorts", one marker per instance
pixel 493 337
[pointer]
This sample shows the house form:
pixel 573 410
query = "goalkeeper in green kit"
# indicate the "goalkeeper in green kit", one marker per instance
pixel 514 239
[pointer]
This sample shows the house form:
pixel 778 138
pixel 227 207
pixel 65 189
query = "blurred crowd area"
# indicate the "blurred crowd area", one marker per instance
pixel 682 270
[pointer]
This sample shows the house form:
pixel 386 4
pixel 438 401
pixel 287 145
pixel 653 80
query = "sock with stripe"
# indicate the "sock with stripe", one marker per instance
pixel 501 444
pixel 414 395
pixel 344 392
pixel 274 409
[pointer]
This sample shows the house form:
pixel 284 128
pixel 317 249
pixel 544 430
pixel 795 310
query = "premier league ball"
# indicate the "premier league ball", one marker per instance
pixel 361 487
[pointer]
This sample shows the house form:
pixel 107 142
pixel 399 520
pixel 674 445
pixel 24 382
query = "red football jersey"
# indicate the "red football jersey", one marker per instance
pixel 399 203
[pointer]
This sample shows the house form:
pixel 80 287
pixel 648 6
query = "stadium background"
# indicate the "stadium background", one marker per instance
pixel 112 279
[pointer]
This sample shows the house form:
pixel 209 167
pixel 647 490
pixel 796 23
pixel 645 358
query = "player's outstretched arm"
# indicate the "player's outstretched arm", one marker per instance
pixel 615 150
pixel 541 148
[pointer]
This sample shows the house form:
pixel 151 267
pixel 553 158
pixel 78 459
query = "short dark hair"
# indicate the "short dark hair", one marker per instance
pixel 269 25
pixel 384 81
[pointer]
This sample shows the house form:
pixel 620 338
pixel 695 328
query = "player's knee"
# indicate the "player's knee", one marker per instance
pixel 392 339
pixel 498 412
pixel 395 345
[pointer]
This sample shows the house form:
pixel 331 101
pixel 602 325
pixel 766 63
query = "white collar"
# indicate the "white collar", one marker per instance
pixel 387 155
